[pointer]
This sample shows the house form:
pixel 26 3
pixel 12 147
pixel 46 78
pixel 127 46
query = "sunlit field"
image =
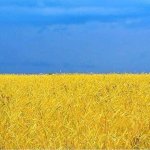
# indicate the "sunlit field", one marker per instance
pixel 75 111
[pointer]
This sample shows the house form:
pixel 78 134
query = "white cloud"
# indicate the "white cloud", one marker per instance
pixel 58 10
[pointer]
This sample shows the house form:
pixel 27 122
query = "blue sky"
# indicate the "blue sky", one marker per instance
pixel 52 36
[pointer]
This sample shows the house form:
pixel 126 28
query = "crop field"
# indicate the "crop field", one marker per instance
pixel 75 111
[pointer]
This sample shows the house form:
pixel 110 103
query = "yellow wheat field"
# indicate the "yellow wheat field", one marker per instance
pixel 75 111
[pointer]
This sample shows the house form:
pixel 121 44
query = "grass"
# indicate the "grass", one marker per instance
pixel 75 111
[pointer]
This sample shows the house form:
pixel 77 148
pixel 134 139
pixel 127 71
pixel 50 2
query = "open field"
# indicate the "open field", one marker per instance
pixel 75 111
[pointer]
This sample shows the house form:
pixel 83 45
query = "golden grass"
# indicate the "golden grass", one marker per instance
pixel 75 111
